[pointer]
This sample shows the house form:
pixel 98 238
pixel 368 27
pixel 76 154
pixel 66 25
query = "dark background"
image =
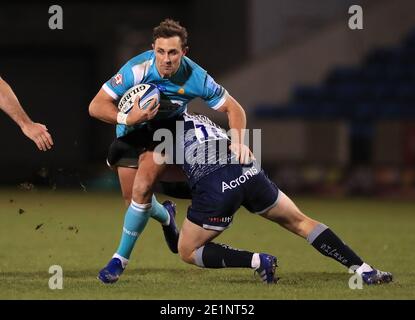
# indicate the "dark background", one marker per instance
pixel 56 73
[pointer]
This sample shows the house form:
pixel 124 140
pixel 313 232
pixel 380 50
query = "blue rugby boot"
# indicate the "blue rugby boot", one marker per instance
pixel 112 272
pixel 376 277
pixel 266 269
pixel 171 232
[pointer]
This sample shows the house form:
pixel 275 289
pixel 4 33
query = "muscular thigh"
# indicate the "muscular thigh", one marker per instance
pixel 285 210
pixel 288 215
pixel 146 176
pixel 126 177
pixel 148 167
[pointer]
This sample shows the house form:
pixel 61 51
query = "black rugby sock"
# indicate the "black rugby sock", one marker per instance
pixel 330 245
pixel 213 255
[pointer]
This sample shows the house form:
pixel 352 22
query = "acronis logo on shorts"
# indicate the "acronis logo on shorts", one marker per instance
pixel 240 180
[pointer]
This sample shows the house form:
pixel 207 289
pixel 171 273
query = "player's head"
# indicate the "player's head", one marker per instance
pixel 170 45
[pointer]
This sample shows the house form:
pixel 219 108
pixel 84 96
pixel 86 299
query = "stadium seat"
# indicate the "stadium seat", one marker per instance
pixel 382 86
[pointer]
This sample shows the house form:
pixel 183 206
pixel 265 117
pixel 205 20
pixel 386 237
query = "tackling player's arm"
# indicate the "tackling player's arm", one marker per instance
pixel 37 132
pixel 237 124
pixel 219 99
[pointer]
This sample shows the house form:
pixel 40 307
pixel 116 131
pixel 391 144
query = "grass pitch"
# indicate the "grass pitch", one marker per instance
pixel 80 231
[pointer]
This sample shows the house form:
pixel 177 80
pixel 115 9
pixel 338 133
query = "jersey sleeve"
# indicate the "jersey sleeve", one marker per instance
pixel 120 82
pixel 213 94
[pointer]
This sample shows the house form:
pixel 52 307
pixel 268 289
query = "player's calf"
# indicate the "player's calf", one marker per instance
pixel 196 247
pixel 214 255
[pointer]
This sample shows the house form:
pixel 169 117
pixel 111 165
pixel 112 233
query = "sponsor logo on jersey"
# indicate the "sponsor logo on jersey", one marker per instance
pixel 116 80
pixel 217 89
pixel 180 91
pixel 220 219
pixel 240 180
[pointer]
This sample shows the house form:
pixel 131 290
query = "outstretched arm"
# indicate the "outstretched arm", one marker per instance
pixel 37 132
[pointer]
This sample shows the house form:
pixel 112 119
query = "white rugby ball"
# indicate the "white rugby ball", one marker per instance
pixel 146 92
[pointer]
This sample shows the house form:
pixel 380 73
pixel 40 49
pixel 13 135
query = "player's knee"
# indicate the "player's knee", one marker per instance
pixel 186 254
pixel 305 226
pixel 142 190
pixel 186 257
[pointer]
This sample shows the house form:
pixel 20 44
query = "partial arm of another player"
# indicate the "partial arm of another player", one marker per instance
pixel 103 108
pixel 37 132
pixel 237 123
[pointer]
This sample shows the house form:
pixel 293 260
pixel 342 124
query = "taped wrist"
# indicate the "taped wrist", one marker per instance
pixel 122 118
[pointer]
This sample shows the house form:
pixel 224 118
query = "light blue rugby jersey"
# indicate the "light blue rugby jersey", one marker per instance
pixel 189 82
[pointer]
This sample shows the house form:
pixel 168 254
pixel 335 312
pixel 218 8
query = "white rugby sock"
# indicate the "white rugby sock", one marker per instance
pixel 124 261
pixel 364 268
pixel 256 262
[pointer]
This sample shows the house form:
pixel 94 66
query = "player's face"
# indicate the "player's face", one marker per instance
pixel 169 53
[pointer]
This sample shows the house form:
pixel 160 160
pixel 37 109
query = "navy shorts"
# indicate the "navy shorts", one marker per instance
pixel 216 197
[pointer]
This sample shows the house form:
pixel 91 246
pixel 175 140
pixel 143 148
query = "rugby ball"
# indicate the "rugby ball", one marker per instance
pixel 146 92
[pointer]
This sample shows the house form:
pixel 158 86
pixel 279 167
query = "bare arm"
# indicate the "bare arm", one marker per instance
pixel 103 108
pixel 37 132
pixel 10 105
pixel 237 124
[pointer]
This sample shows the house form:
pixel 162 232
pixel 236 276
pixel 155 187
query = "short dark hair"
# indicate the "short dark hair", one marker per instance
pixel 170 28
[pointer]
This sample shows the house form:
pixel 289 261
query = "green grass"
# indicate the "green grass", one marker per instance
pixel 382 232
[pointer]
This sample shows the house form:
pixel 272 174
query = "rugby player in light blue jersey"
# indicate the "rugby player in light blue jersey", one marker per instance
pixel 36 132
pixel 180 80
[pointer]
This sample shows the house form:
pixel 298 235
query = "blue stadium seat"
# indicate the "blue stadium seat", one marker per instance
pixel 308 93
pixel 383 86
pixel 409 41
pixel 343 74
pixel 405 92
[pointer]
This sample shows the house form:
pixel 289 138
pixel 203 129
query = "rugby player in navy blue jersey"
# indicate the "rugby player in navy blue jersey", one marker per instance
pixel 220 186
pixel 180 80
pixel 36 132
